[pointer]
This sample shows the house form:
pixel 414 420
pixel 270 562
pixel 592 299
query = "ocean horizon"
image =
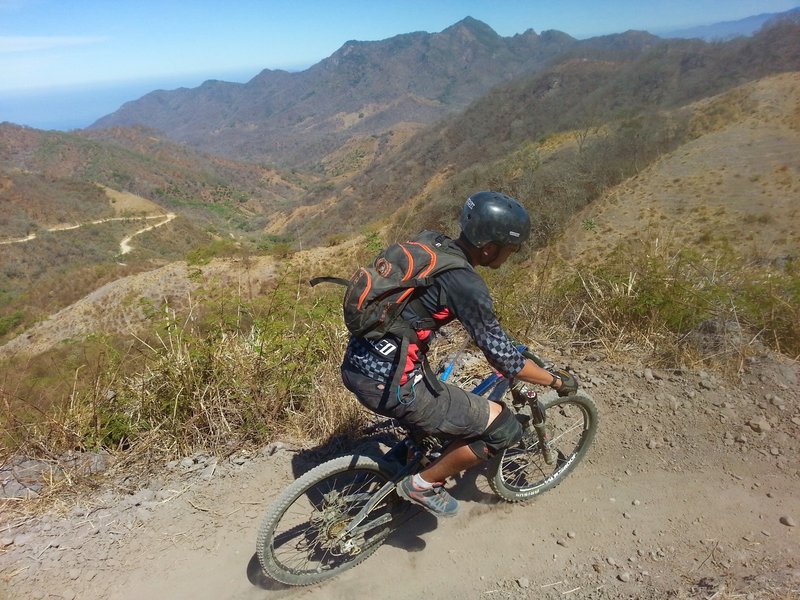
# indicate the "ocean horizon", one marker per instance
pixel 78 107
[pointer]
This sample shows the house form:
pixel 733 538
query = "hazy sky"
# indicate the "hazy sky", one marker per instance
pixel 53 49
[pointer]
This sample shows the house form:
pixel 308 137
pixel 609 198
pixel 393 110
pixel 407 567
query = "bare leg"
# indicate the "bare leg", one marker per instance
pixel 458 456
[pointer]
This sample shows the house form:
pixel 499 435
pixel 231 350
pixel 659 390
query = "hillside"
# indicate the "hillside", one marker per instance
pixel 736 183
pixel 136 160
pixel 498 140
pixel 733 183
pixel 70 199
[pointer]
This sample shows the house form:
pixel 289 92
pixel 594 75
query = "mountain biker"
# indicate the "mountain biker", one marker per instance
pixel 493 227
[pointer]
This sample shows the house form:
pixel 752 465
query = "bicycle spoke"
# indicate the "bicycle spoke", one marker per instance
pixel 319 515
pixel 524 462
pixel 577 425
pixel 522 471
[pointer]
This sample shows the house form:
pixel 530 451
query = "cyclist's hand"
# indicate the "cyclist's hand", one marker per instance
pixel 568 383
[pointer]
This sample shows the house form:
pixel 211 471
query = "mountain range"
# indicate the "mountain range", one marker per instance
pixel 730 29
pixel 363 89
pixel 367 89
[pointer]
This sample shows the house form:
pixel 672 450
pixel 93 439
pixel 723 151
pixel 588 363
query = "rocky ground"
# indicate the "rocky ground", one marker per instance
pixel 692 490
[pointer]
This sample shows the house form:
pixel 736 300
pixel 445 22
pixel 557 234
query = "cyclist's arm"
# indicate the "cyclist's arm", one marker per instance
pixel 533 373
pixel 472 305
pixel 470 302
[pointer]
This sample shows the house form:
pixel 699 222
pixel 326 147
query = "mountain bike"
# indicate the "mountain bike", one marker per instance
pixel 339 513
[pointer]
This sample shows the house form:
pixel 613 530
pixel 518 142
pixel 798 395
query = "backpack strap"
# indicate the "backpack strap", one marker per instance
pixel 423 318
pixel 427 373
pixel 393 387
pixel 336 280
pixel 430 377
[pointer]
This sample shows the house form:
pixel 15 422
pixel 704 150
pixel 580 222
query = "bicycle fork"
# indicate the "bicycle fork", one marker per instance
pixel 522 396
pixel 539 424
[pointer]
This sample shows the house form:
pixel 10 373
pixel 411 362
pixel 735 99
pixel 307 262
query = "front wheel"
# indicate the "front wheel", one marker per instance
pixel 521 472
pixel 299 542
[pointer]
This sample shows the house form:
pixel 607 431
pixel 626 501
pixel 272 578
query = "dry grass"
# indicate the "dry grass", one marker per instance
pixel 242 365
pixel 672 305
pixel 125 203
pixel 219 374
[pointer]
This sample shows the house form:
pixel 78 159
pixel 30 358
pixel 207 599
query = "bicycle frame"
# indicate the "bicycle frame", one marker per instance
pixel 495 380
pixel 354 528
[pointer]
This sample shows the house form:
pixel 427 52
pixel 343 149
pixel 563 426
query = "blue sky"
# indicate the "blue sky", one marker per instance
pixel 65 63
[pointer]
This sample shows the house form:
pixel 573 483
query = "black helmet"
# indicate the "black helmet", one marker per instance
pixel 494 217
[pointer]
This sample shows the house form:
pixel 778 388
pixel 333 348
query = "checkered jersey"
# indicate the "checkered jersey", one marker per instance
pixel 457 294
pixel 469 300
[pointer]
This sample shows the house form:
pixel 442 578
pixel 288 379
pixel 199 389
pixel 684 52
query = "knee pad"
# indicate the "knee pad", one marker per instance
pixel 502 433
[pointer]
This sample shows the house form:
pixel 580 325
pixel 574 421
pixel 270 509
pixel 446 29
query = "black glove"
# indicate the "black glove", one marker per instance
pixel 568 382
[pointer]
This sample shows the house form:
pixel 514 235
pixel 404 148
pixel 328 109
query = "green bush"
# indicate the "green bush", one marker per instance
pixel 770 304
pixel 9 322
pixel 202 255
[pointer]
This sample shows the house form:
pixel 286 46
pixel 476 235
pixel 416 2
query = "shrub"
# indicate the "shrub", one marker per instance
pixel 9 322
pixel 227 374
pixel 770 305
pixel 659 298
pixel 202 255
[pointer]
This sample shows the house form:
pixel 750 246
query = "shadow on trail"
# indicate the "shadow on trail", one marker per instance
pixel 373 441
pixel 410 522
pixel 413 523
pixel 259 579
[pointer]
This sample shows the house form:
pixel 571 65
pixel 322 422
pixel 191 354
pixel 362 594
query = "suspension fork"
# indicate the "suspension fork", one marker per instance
pixel 522 395
pixel 538 420
pixel 355 528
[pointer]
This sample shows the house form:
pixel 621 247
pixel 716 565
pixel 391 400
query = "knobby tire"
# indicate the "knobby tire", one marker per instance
pixel 297 540
pixel 520 473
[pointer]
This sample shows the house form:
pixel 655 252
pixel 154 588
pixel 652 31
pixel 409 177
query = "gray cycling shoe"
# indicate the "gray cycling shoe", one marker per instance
pixel 435 499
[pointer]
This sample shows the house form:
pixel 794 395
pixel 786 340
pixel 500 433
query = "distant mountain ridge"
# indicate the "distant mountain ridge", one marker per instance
pixel 363 89
pixel 730 29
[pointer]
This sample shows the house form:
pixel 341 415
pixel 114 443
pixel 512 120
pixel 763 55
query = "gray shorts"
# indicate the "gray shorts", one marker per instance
pixel 453 413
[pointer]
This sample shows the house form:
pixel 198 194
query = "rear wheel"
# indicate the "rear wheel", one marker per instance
pixel 521 473
pixel 299 541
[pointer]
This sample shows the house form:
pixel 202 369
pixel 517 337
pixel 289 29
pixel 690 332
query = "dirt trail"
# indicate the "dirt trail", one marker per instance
pixel 687 494
pixel 124 245
pixel 120 202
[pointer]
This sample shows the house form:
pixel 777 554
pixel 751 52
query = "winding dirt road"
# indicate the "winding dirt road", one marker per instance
pixel 124 245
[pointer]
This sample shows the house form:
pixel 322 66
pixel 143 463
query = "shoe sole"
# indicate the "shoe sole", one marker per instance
pixel 401 492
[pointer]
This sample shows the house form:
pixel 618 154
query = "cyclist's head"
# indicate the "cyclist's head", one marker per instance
pixel 494 217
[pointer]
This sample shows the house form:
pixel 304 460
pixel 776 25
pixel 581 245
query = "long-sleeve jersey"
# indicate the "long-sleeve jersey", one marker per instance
pixel 456 294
